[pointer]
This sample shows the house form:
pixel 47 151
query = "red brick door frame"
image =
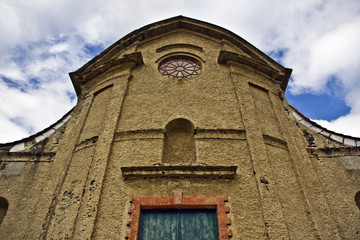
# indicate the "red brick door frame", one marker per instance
pixel 178 201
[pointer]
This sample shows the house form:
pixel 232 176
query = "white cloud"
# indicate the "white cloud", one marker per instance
pixel 10 131
pixel 61 47
pixel 44 40
pixel 25 113
pixel 9 69
pixel 335 52
pixel 347 125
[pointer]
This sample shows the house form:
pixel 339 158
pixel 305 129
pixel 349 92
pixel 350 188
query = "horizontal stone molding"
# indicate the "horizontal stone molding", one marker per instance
pixel 26 157
pixel 179 172
pixel 334 152
pixel 139 134
pixel 220 134
pixel 179 45
pixel 273 141
pixel 199 133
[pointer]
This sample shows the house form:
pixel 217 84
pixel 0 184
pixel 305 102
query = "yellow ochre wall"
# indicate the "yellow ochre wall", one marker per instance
pixel 76 179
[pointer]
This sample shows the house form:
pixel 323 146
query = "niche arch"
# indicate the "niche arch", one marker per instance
pixel 179 143
pixel 4 205
pixel 357 199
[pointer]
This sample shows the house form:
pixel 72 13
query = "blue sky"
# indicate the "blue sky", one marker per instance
pixel 43 40
pixel 329 105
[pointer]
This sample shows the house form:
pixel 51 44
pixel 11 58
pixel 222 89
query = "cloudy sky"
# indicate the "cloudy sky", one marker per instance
pixel 41 41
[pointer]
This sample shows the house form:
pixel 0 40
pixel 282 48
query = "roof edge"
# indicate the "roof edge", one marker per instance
pixel 43 133
pixel 337 137
pixel 142 33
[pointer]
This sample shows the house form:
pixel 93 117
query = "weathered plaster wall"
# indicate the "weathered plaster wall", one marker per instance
pixel 340 182
pixel 283 180
pixel 154 100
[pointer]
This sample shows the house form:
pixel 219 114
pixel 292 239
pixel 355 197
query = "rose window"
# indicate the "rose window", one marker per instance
pixel 180 68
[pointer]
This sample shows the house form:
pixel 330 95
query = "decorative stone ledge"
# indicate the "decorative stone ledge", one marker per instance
pixel 349 156
pixel 26 157
pixel 226 57
pixel 179 45
pixel 199 133
pixel 80 77
pixel 229 134
pixel 139 134
pixel 334 152
pixel 276 142
pixel 178 172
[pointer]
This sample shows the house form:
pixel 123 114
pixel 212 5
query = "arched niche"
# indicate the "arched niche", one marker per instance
pixel 4 205
pixel 357 199
pixel 179 144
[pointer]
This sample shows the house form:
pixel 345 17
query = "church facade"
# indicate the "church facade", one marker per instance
pixel 181 131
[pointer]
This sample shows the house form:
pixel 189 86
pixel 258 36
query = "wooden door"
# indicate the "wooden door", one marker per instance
pixel 178 224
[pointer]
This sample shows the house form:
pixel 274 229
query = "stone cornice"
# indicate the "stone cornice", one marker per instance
pixel 82 76
pixel 177 23
pixel 226 57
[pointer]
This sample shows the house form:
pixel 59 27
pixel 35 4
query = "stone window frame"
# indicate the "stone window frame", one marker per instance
pixel 178 201
pixel 180 67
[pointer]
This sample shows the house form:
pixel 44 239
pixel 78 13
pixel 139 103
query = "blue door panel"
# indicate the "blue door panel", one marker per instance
pixel 174 224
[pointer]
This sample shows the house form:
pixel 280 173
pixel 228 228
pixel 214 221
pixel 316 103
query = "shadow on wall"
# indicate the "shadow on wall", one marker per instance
pixel 4 205
pixel 357 199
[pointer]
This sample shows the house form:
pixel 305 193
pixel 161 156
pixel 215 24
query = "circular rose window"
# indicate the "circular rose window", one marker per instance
pixel 179 68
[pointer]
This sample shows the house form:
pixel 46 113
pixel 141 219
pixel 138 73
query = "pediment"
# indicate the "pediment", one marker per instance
pixel 117 51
